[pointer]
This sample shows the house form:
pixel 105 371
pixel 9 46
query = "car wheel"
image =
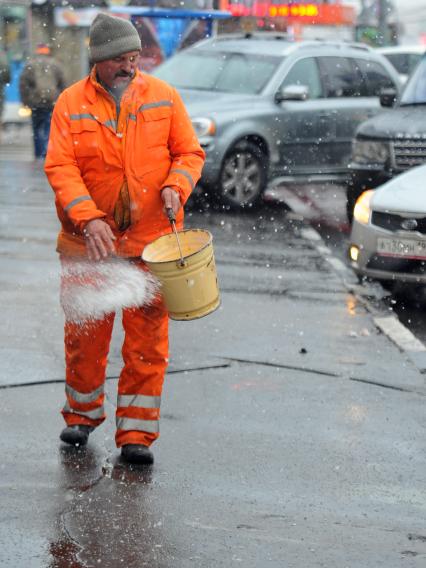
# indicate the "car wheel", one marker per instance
pixel 243 176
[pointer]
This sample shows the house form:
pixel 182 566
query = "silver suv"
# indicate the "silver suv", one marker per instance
pixel 265 107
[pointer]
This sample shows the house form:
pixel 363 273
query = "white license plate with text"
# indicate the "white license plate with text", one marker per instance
pixel 406 248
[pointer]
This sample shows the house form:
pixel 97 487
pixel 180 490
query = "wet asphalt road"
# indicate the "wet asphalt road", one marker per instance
pixel 286 440
pixel 292 429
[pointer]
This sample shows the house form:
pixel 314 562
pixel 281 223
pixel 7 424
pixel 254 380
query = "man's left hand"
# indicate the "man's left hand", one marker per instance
pixel 171 199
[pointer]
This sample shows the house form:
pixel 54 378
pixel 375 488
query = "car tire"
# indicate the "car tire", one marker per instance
pixel 243 177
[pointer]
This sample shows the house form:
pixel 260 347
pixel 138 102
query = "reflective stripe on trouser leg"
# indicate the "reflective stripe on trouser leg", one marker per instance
pixel 86 352
pixel 145 355
pixel 88 405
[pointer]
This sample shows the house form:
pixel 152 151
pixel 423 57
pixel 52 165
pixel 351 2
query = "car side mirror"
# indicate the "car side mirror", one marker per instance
pixel 388 97
pixel 292 93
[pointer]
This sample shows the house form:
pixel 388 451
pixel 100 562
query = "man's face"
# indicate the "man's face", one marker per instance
pixel 118 71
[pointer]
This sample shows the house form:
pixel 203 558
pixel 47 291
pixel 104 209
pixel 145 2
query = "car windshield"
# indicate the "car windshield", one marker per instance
pixel 415 91
pixel 218 71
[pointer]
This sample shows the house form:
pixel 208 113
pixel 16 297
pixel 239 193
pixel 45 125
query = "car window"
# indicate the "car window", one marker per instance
pixel 404 63
pixel 241 73
pixel 218 71
pixel 399 61
pixel 415 91
pixel 376 77
pixel 360 78
pixel 413 60
pixel 305 72
pixel 339 77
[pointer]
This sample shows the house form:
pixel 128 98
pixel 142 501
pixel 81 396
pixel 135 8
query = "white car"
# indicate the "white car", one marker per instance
pixel 403 57
pixel 388 237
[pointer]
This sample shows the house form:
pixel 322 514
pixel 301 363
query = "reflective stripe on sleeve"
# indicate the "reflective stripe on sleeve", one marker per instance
pixel 92 414
pixel 186 174
pixel 151 426
pixel 83 397
pixel 77 200
pixel 147 106
pixel 138 400
pixel 131 116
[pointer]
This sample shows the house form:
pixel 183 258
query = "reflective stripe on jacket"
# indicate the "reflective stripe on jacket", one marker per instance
pixel 92 153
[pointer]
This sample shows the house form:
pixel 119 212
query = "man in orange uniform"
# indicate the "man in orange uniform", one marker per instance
pixel 121 150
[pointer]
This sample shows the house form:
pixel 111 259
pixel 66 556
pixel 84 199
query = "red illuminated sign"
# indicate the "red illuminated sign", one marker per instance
pixel 294 10
pixel 320 14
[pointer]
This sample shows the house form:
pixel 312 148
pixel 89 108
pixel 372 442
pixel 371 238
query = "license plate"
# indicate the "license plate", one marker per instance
pixel 405 248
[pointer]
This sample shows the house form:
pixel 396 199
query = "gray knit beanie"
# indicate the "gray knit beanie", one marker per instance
pixel 110 37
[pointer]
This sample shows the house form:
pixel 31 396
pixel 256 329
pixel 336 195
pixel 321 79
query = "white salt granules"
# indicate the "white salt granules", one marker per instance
pixel 90 290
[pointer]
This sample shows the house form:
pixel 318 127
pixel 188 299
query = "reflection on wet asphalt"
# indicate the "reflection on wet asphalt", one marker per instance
pixel 91 520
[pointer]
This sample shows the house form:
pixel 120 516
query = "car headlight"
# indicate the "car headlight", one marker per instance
pixel 204 127
pixel 369 152
pixel 362 209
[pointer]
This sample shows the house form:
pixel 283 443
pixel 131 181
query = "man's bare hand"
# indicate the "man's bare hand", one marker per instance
pixel 99 239
pixel 171 199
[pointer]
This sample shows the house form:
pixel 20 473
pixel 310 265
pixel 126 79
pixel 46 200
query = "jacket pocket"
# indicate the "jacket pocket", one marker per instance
pixel 85 138
pixel 155 125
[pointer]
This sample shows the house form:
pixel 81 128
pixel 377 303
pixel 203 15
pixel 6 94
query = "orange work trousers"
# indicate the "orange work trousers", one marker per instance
pixel 145 358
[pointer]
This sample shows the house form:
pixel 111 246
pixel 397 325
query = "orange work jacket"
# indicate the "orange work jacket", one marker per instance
pixel 95 156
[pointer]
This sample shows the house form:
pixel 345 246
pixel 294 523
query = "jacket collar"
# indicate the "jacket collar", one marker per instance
pixel 93 86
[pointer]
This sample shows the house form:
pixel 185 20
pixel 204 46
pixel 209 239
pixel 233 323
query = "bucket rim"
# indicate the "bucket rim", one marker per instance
pixel 185 256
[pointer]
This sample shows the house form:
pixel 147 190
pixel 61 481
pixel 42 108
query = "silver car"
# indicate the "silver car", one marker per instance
pixel 388 238
pixel 265 107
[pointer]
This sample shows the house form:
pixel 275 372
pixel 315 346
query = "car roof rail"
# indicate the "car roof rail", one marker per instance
pixel 283 36
pixel 267 35
pixel 251 35
pixel 362 46
pixel 330 43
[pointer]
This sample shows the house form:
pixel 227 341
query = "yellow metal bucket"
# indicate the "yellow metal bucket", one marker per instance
pixel 190 289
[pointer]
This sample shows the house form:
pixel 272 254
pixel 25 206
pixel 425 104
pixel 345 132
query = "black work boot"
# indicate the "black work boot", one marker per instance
pixel 76 435
pixel 137 453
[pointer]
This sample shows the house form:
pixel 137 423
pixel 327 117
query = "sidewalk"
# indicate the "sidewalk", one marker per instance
pixel 292 431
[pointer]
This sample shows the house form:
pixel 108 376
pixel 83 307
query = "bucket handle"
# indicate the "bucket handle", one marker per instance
pixel 172 220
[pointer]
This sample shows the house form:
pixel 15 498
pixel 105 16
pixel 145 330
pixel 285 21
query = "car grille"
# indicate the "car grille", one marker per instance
pixel 408 153
pixel 401 265
pixel 392 222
